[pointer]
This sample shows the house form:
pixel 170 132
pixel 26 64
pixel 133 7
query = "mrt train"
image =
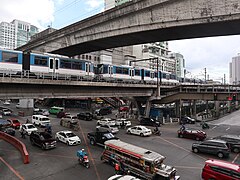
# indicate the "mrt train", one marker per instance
pixel 17 61
pixel 49 64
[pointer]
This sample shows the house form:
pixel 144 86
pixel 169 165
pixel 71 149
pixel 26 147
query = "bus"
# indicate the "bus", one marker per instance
pixel 143 163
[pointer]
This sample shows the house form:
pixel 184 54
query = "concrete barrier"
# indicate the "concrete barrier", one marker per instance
pixel 21 113
pixel 18 144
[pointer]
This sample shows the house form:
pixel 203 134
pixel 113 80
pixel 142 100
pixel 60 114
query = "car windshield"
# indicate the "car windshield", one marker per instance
pixel 44 119
pixel 70 135
pixel 46 136
pixel 109 135
pixel 15 121
pixel 30 126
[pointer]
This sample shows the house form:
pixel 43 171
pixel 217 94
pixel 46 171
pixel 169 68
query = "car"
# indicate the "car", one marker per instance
pixel 123 108
pixel 6 103
pixel 70 118
pixel 108 121
pixel 123 122
pixel 122 177
pixel 28 128
pixel 43 112
pixel 99 137
pixel 218 169
pixel 139 130
pixel 68 137
pixel 212 146
pixel 233 141
pixel 198 135
pixel 85 116
pixel 106 127
pixel 8 130
pixel 103 111
pixel 149 122
pixel 6 112
pixel 15 123
pixel 43 140
pixel 187 120
pixel 40 120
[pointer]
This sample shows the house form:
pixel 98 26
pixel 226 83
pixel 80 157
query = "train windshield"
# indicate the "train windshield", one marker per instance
pixel 102 69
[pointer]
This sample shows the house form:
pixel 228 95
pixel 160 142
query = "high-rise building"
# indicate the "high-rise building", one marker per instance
pixel 234 70
pixel 16 33
pixel 179 63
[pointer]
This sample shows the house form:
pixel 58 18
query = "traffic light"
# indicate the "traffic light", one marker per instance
pixel 215 97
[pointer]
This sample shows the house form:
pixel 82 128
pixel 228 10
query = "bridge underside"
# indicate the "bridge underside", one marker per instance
pixel 223 28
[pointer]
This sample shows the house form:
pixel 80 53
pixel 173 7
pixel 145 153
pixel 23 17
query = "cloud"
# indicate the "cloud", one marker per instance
pixel 94 3
pixel 38 13
pixel 213 53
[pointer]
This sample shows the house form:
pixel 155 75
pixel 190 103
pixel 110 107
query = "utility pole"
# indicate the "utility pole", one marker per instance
pixel 205 74
pixel 224 77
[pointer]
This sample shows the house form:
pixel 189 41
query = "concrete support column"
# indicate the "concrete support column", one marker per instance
pixel 207 108
pixel 194 108
pixel 236 104
pixel 89 104
pixel 147 108
pixel 229 106
pixel 217 108
pixel 190 108
pixel 177 108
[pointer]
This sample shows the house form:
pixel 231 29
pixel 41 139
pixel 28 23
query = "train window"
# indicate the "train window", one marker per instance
pixel 9 57
pixel 77 65
pixel 118 70
pixel 65 64
pixel 147 73
pixel 137 72
pixel 40 60
pixel 105 69
pixel 125 70
pixel 164 75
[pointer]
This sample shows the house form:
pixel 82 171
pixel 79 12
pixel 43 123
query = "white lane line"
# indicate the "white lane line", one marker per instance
pixel 227 128
pixel 214 127
pixel 235 158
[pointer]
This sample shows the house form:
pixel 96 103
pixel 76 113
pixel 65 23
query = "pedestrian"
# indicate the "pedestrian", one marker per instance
pixel 117 168
pixel 23 134
pixel 27 121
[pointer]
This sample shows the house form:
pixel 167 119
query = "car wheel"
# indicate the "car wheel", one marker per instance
pixel 57 138
pixel 129 132
pixel 236 150
pixel 92 142
pixel 220 155
pixel 195 150
pixel 141 135
pixel 68 143
pixel 32 142
pixel 197 138
pixel 180 135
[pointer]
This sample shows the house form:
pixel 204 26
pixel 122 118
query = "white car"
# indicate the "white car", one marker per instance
pixel 105 121
pixel 106 127
pixel 121 121
pixel 139 130
pixel 28 128
pixel 6 112
pixel 68 137
pixel 6 103
pixel 123 177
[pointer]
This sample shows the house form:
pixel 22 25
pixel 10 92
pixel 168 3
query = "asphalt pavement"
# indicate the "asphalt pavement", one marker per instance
pixel 61 163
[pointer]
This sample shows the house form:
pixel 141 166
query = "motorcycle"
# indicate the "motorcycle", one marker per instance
pixel 83 160
pixel 157 132
pixel 205 126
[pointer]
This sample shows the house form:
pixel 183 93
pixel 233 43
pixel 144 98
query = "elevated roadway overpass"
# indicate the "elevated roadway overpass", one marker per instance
pixel 142 21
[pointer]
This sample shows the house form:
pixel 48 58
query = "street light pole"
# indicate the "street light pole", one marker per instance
pixel 158 74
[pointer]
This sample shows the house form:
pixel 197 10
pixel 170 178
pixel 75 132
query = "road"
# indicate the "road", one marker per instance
pixel 61 163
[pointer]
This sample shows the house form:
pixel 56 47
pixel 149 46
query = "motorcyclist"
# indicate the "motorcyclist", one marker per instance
pixel 182 127
pixel 82 153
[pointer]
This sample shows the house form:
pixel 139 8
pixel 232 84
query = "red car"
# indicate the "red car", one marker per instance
pixel 123 108
pixel 14 123
pixel 217 169
pixel 192 134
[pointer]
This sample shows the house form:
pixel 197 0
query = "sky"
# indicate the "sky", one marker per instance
pixel 214 53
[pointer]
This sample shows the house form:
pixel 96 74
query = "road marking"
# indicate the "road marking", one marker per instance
pixel 235 158
pixel 182 148
pixel 227 128
pixel 89 152
pixel 214 127
pixel 12 169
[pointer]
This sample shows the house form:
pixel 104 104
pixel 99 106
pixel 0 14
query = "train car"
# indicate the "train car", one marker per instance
pixel 10 61
pixel 109 72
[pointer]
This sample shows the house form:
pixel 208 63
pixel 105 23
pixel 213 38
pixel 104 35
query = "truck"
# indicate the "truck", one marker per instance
pixel 99 137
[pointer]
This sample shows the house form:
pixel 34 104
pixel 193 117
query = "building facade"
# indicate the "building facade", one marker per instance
pixel 179 64
pixel 16 33
pixel 234 70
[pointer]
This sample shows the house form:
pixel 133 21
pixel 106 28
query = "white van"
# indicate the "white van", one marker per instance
pixel 40 120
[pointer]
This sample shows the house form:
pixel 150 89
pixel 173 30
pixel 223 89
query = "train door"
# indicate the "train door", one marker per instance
pixel 87 68
pixel 152 75
pixel 53 65
pixel 131 73
pixel 142 74
pixel 110 71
